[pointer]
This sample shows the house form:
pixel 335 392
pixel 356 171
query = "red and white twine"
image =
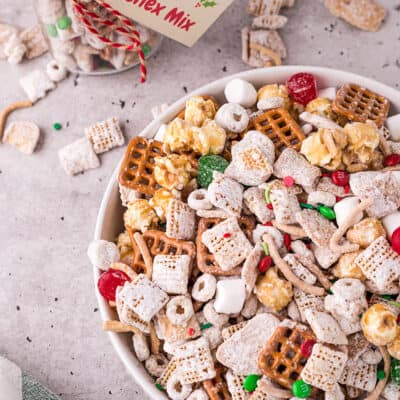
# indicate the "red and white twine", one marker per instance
pixel 92 21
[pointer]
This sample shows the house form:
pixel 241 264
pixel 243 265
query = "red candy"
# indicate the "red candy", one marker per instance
pixel 306 348
pixel 396 240
pixel 191 331
pixel 302 87
pixel 288 181
pixel 287 240
pixel 109 281
pixel 392 160
pixel 347 189
pixel 340 178
pixel 269 223
pixel 227 235
pixel 269 206
pixel 265 263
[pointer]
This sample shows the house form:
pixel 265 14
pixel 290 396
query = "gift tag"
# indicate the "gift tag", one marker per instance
pixel 183 21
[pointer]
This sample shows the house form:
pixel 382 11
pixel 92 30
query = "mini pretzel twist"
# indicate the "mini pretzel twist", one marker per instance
pixel 8 110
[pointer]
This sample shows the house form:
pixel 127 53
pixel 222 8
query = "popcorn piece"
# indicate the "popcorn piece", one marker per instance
pixel 128 195
pixel 36 84
pixel 360 375
pixel 140 216
pixel 102 254
pixel 160 202
pixel 344 208
pixel 34 41
pixel 320 197
pixel 194 360
pixel 230 296
pixel 320 106
pixel 240 351
pixel 325 327
pixel 254 200
pixel 241 92
pixel 275 91
pixel 232 117
pixel 55 71
pixel 379 263
pixel 272 291
pixel 284 202
pixel 174 171
pixel 365 232
pixel 78 157
pixel 324 368
pixel 144 297
pixel 346 268
pixel 198 110
pixel 24 135
pixel 180 220
pixel 391 222
pixel 105 135
pixel 179 310
pixel 225 193
pixel 269 104
pixel 204 288
pixel 171 273
pixel 125 249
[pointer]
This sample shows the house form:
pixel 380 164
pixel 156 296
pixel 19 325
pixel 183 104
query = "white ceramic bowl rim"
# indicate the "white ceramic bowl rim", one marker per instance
pixel 110 203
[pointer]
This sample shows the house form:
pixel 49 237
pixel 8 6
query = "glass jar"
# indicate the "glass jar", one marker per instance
pixel 77 49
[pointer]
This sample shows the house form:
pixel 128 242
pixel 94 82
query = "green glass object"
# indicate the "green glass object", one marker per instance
pixel 52 30
pixel 207 165
pixel 301 389
pixel 395 371
pixel 64 22
pixel 327 212
pixel 250 383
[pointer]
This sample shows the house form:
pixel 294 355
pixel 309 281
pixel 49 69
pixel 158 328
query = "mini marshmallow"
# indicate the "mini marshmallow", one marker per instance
pixel 391 222
pixel 344 207
pixel 102 254
pixel 230 297
pixel 393 124
pixel 327 93
pixel 160 133
pixel 241 92
pixel 36 84
pixel 56 71
pixel 232 117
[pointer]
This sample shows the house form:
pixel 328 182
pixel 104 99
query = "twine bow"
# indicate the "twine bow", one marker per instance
pixel 121 24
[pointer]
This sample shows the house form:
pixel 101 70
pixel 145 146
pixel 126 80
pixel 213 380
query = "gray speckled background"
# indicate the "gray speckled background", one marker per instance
pixel 49 322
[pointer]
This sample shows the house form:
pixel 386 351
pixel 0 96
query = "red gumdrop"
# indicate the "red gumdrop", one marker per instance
pixel 109 281
pixel 340 178
pixel 396 240
pixel 302 87
pixel 392 160
pixel 306 348
pixel 265 263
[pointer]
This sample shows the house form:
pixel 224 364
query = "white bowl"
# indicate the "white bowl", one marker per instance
pixel 109 220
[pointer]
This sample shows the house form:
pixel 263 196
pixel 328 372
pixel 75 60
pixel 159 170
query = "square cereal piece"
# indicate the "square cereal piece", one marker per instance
pixel 34 41
pixel 180 220
pixel 284 202
pixel 171 273
pixel 324 368
pixel 227 243
pixel 305 301
pixel 232 329
pixel 195 362
pixel 379 263
pixel 325 327
pixel 325 256
pixel 36 84
pixel 292 163
pixel 360 375
pixel 24 135
pixel 317 228
pixel 105 135
pixel 144 297
pixel 254 200
pixel 78 157
pixel 235 386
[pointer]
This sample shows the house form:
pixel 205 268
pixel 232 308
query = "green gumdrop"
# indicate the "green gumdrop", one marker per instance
pixel 301 389
pixel 208 164
pixel 395 371
pixel 52 30
pixel 250 383
pixel 64 22
pixel 327 212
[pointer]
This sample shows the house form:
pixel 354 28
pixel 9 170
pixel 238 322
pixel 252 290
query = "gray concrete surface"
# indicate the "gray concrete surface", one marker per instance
pixel 49 322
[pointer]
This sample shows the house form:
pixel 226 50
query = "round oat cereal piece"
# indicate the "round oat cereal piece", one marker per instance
pixel 156 364
pixel 232 117
pixel 212 316
pixel 204 288
pixel 176 389
pixel 198 200
pixel 179 310
pixel 56 71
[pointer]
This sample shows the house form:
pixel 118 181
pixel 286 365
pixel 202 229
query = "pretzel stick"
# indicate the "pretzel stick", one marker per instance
pixel 347 223
pixel 287 271
pixel 325 282
pixel 148 261
pixel 268 52
pixel 329 142
pixel 118 327
pixel 290 229
pixel 8 110
pixel 374 395
pixel 274 391
pixel 154 340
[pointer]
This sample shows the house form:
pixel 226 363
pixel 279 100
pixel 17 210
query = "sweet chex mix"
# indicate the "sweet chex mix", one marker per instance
pixel 260 253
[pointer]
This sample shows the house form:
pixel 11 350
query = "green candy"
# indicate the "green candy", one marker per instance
pixel 395 371
pixel 301 389
pixel 159 387
pixel 207 165
pixel 57 126
pixel 52 30
pixel 265 248
pixel 381 375
pixel 64 22
pixel 146 49
pixel 327 212
pixel 266 194
pixel 206 326
pixel 307 206
pixel 250 383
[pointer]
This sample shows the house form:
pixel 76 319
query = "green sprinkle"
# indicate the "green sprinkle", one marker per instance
pixel 387 297
pixel 57 126
pixel 64 22
pixel 250 382
pixel 327 212
pixel 265 248
pixel 159 387
pixel 381 375
pixel 52 30
pixel 307 206
pixel 206 326
pixel 266 193
pixel 394 303
pixel 301 389
pixel 146 48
